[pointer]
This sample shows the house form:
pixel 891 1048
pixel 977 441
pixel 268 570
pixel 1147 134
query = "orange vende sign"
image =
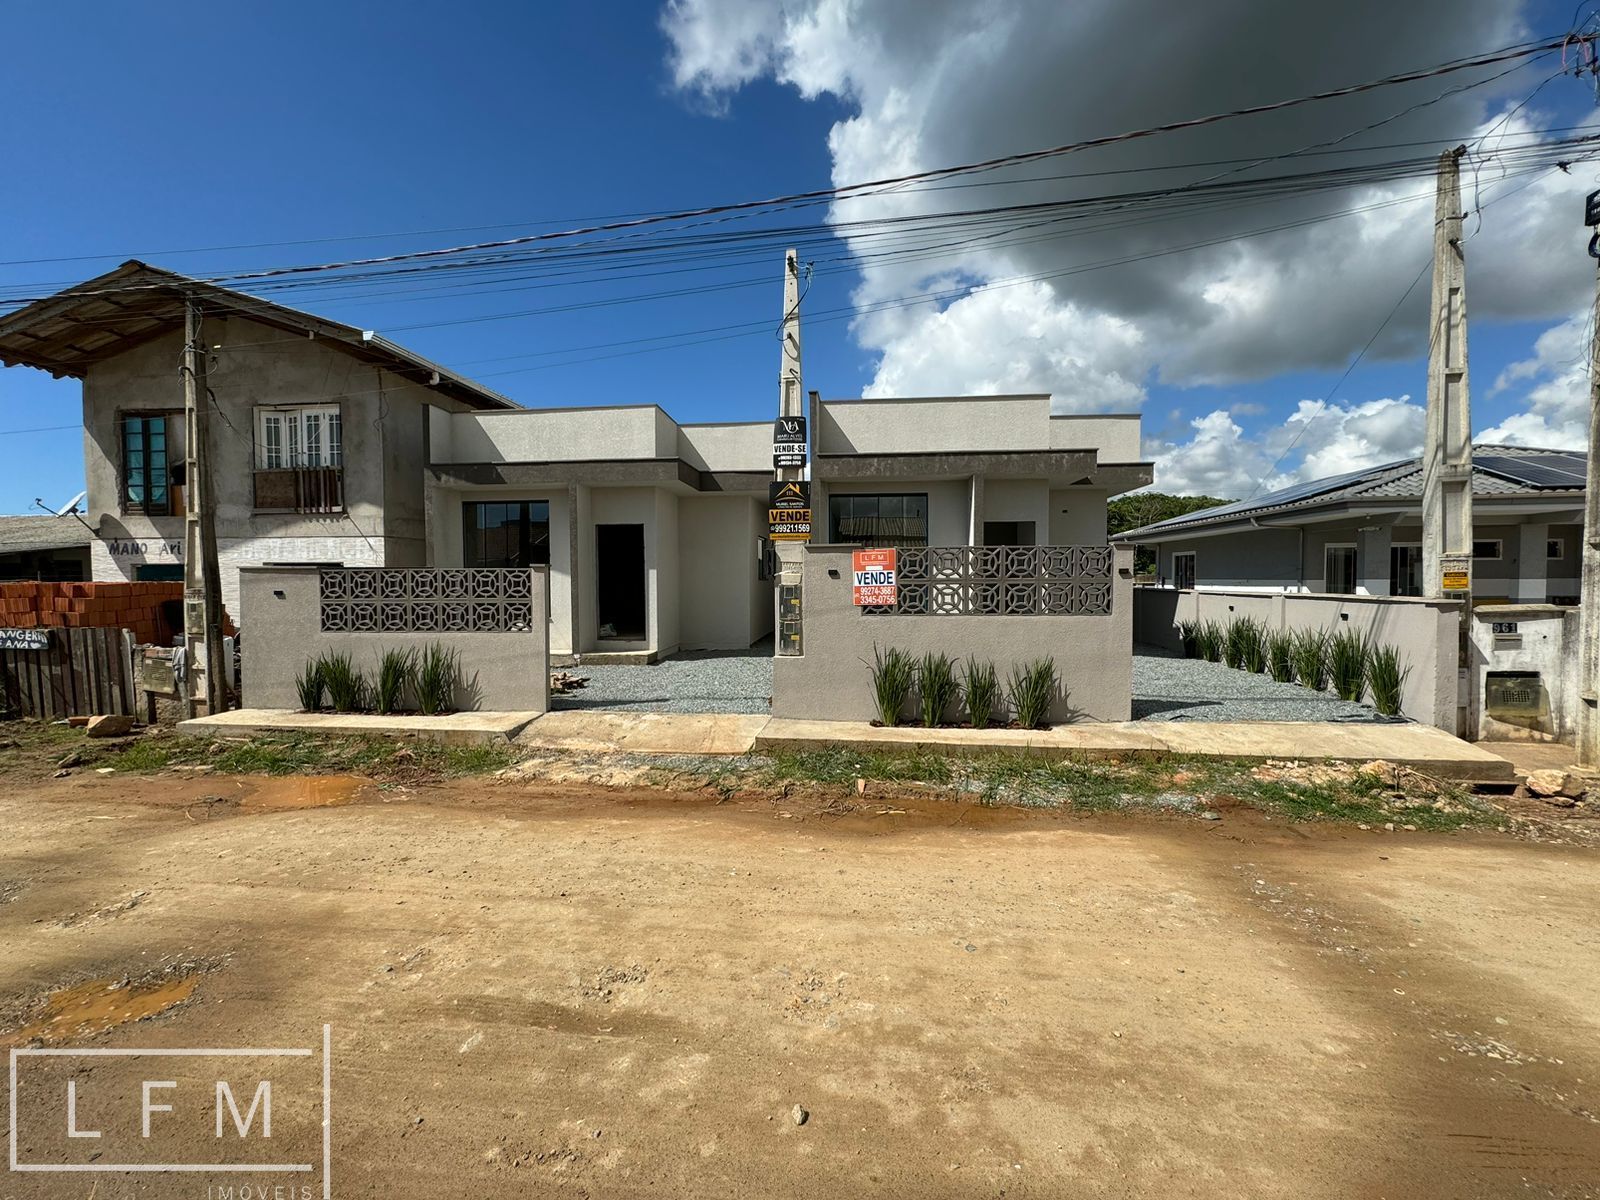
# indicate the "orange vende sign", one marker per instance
pixel 874 577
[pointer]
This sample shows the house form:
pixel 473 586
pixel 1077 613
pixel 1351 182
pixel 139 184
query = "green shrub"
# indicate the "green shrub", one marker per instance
pixel 1234 641
pixel 1209 640
pixel 1253 650
pixel 1280 655
pixel 936 687
pixel 396 670
pixel 1189 638
pixel 1386 679
pixel 980 692
pixel 435 682
pixel 1311 659
pixel 313 692
pixel 1348 652
pixel 893 673
pixel 1032 689
pixel 347 686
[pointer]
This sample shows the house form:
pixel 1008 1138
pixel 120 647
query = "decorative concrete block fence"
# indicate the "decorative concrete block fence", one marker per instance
pixel 495 620
pixel 1008 605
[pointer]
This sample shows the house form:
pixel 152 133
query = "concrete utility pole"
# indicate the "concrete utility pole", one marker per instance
pixel 202 592
pixel 791 399
pixel 1589 586
pixel 791 403
pixel 1447 446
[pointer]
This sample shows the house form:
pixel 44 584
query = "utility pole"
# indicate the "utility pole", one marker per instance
pixel 1589 586
pixel 206 681
pixel 1447 446
pixel 790 493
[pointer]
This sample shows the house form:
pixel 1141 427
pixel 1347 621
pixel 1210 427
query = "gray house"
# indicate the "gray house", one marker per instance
pixel 317 431
pixel 655 531
pixel 1361 533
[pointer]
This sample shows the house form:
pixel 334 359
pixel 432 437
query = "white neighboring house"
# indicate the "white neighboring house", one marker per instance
pixel 655 532
pixel 317 434
pixel 1361 533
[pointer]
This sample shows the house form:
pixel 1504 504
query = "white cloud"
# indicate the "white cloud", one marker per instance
pixel 1556 413
pixel 936 82
pixel 1318 440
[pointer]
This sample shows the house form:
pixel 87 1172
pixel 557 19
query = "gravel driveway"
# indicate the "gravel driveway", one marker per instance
pixel 706 681
pixel 1169 688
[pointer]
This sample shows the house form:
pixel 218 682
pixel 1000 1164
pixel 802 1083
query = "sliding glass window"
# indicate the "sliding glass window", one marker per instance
pixel 515 533
pixel 878 520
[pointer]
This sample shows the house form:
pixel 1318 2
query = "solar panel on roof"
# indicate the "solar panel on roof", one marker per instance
pixel 1535 470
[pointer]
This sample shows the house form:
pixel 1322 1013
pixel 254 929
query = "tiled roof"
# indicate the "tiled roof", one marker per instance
pixel 42 533
pixel 1496 471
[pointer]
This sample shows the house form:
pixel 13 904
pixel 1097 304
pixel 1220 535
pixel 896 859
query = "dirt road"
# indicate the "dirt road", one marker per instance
pixel 542 991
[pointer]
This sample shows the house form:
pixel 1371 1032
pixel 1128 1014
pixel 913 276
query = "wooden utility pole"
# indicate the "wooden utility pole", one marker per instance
pixel 1447 445
pixel 206 682
pixel 1589 585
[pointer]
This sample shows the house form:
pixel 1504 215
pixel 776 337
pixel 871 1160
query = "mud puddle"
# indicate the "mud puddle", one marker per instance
pixel 88 1009
pixel 280 793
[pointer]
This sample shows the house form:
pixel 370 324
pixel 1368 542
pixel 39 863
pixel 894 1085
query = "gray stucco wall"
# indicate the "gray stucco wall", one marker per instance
pixel 253 365
pixel 1426 632
pixel 832 679
pixel 282 624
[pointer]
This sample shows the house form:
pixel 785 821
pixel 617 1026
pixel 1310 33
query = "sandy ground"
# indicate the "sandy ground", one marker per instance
pixel 537 990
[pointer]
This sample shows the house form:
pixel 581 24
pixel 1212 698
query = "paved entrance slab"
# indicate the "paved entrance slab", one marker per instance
pixel 1420 747
pixel 644 732
pixel 461 728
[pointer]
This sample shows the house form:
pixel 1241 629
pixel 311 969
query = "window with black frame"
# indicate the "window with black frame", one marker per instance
pixel 513 533
pixel 879 520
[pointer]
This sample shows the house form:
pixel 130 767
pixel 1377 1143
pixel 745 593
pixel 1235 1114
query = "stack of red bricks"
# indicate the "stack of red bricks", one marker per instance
pixel 146 608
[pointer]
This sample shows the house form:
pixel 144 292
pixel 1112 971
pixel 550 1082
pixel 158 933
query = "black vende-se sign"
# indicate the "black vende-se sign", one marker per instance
pixel 789 442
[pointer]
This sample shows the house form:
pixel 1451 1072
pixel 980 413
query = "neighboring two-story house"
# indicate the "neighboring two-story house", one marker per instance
pixel 318 429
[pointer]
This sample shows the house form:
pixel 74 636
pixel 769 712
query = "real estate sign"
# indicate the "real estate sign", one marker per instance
pixel 789 511
pixel 1455 572
pixel 873 578
pixel 789 442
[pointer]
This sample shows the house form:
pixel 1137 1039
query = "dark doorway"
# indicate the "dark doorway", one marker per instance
pixel 619 581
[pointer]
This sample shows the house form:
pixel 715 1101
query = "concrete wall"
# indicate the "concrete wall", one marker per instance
pixel 254 365
pixel 1077 517
pixel 1546 642
pixel 1426 632
pixel 832 679
pixel 724 606
pixel 553 435
pixel 911 426
pixel 1017 500
pixel 1114 435
pixel 1268 559
pixel 727 446
pixel 499 672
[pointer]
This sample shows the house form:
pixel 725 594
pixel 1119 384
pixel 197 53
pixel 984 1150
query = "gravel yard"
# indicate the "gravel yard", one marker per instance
pixel 1170 688
pixel 709 681
pixel 1165 688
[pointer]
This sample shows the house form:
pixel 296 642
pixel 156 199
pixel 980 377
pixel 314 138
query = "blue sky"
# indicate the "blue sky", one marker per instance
pixel 339 120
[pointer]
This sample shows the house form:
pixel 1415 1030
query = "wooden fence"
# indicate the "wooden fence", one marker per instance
pixel 81 672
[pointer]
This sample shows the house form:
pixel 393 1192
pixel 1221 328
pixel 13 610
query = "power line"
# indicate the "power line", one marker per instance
pixel 735 209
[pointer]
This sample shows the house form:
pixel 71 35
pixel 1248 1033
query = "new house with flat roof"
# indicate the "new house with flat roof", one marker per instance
pixel 655 531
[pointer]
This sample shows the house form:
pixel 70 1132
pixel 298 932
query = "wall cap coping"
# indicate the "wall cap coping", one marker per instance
pixel 1488 612
pixel 1341 597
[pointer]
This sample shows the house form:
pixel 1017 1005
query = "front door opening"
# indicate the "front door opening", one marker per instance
pixel 619 582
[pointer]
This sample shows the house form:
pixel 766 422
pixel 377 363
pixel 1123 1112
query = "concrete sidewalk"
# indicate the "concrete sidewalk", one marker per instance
pixel 600 732
pixel 1420 747
pixel 460 728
